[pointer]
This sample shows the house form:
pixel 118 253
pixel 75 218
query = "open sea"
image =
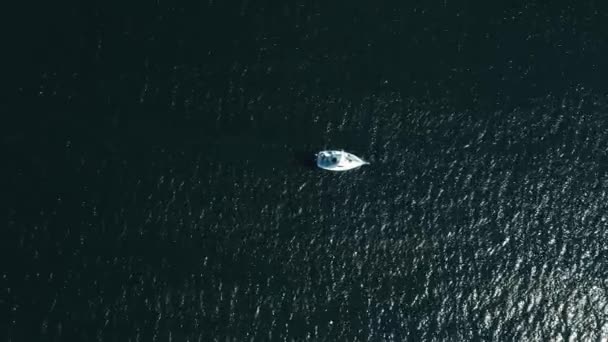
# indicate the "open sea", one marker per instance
pixel 158 180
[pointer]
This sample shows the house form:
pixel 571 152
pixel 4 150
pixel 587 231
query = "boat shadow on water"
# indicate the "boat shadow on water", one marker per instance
pixel 305 159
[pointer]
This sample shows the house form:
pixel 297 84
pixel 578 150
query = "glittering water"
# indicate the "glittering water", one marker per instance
pixel 166 192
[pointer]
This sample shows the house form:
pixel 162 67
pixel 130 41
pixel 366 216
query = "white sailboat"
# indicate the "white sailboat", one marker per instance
pixel 333 160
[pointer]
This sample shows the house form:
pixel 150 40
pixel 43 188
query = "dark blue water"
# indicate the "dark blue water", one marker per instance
pixel 158 184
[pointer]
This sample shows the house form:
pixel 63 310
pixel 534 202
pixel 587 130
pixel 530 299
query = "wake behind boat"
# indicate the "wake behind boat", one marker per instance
pixel 338 160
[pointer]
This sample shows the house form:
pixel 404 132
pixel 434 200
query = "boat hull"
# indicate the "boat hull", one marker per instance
pixel 333 160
